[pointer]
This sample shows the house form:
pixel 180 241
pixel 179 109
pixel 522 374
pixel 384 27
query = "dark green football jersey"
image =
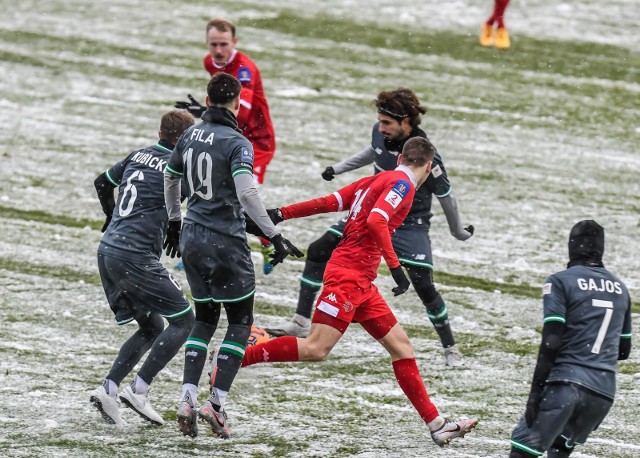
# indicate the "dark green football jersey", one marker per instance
pixel 595 307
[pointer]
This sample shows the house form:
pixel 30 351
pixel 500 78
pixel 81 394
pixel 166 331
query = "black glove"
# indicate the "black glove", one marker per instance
pixel 401 280
pixel 106 223
pixel 172 240
pixel 328 174
pixel 283 248
pixel 276 215
pixel 252 228
pixel 470 229
pixel 193 106
pixel 533 405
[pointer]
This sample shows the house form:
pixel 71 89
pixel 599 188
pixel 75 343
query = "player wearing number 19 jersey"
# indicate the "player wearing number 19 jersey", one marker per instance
pixel 587 329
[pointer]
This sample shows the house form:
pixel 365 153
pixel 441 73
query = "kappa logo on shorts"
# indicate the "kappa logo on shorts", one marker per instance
pixel 331 297
pixel 347 307
pixel 244 74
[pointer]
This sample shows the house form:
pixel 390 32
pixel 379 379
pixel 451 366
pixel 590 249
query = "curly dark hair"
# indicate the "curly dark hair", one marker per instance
pixel 399 104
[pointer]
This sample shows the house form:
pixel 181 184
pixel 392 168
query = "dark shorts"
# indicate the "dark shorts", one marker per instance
pixel 410 241
pixel 218 267
pixel 138 288
pixel 566 410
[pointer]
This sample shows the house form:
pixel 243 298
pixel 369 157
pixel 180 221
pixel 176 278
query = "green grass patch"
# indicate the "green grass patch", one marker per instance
pixel 48 271
pixel 48 218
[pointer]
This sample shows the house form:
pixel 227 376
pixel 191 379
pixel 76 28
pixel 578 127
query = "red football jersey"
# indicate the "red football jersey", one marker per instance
pixel 253 118
pixel 377 206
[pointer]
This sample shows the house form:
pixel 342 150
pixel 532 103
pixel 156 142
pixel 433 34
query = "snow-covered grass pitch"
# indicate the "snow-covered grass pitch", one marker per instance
pixel 534 139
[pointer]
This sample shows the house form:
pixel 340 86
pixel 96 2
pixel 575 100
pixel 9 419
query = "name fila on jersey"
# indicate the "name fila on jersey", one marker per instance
pixel 150 160
pixel 198 134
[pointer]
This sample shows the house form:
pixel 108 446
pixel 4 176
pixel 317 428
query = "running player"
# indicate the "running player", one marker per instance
pixel 216 161
pixel 377 206
pixel 253 117
pixel 399 115
pixel 498 36
pixel 136 284
pixel 587 329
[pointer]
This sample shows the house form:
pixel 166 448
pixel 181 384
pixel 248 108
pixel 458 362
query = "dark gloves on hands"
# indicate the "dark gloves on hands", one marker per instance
pixel 252 228
pixel 193 106
pixel 283 248
pixel 328 174
pixel 172 240
pixel 106 223
pixel 533 405
pixel 401 280
pixel 276 215
pixel 469 229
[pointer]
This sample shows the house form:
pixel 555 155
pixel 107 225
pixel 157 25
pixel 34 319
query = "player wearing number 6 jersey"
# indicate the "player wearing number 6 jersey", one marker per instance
pixel 136 284
pixel 377 206
pixel 216 161
pixel 587 329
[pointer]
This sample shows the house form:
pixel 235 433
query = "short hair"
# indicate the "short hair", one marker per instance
pixel 417 151
pixel 173 123
pixel 399 104
pixel 586 241
pixel 222 25
pixel 223 89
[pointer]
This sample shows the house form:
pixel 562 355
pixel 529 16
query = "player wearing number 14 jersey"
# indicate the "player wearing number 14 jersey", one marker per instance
pixel 587 329
pixel 377 206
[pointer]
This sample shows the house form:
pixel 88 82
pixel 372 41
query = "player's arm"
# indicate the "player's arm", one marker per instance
pixel 552 330
pixel 335 202
pixel 172 199
pixel 353 162
pixel 450 207
pixel 105 185
pixel 246 103
pixel 624 350
pixel 397 198
pixel 252 203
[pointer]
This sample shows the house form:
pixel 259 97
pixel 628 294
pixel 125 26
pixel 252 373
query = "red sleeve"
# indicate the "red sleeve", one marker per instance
pixel 324 204
pixel 379 231
pixel 246 102
pixel 336 202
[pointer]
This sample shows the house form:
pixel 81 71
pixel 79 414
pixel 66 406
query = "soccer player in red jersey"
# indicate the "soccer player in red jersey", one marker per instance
pixel 500 36
pixel 253 118
pixel 377 206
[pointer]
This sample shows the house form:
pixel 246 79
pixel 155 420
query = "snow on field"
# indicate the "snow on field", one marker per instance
pixel 84 82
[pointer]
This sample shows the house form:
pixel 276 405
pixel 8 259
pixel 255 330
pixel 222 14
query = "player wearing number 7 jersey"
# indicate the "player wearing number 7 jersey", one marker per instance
pixel 377 206
pixel 587 329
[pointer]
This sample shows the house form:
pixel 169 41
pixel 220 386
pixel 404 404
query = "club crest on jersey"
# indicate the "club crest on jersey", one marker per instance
pixel 244 75
pixel 546 289
pixel 398 192
pixel 436 171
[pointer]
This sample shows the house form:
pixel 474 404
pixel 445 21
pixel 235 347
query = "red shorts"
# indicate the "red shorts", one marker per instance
pixel 348 296
pixel 261 159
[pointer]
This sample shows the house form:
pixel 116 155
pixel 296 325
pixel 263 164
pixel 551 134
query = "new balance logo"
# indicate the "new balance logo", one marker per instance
pixel 331 297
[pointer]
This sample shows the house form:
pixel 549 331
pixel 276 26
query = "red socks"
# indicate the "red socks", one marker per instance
pixel 279 350
pixel 408 376
pixel 499 6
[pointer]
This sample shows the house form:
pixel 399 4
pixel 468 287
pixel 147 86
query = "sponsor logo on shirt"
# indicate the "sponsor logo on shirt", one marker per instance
pixel 436 171
pixel 546 289
pixel 244 75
